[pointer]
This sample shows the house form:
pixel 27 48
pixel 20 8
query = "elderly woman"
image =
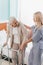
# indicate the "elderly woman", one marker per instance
pixel 19 34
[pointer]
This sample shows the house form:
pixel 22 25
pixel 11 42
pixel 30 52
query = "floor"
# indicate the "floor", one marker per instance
pixel 3 62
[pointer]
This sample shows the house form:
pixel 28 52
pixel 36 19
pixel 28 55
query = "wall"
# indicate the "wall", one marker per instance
pixel 28 7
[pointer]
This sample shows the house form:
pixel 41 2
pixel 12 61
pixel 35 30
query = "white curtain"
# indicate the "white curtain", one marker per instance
pixel 14 8
pixel 4 9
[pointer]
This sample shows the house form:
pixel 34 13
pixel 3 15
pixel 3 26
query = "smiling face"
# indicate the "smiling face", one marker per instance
pixel 14 22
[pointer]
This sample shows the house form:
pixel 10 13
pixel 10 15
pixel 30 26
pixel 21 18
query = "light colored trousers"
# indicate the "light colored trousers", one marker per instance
pixel 14 55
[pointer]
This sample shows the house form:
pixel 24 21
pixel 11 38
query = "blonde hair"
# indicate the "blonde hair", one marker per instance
pixel 38 16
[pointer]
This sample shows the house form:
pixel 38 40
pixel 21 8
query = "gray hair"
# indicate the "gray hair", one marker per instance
pixel 12 19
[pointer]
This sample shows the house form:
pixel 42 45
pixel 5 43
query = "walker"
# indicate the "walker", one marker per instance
pixel 17 51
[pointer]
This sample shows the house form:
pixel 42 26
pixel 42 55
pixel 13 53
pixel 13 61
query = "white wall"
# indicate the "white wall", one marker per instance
pixel 28 7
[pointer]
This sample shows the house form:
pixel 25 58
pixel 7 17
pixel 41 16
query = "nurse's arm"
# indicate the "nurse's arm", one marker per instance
pixel 23 45
pixel 28 27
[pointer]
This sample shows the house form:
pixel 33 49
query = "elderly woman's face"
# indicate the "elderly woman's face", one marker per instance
pixel 14 23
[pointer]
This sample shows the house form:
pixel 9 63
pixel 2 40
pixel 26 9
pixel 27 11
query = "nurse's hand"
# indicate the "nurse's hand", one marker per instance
pixel 21 47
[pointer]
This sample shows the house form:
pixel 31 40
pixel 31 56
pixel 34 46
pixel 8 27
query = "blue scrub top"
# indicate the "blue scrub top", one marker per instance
pixel 37 36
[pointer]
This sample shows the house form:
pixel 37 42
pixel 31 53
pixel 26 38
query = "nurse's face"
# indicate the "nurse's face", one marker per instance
pixel 36 19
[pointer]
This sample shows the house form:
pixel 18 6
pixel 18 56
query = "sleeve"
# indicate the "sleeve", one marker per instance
pixel 32 28
pixel 24 32
pixel 37 36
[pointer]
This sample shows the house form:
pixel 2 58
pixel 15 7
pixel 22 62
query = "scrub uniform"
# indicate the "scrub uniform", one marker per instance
pixel 36 51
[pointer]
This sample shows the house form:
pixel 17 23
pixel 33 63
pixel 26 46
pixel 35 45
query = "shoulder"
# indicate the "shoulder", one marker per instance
pixel 32 27
pixel 41 29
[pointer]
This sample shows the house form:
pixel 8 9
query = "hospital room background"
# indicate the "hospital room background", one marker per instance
pixel 23 11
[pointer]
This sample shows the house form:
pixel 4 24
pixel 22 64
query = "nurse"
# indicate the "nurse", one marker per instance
pixel 35 57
